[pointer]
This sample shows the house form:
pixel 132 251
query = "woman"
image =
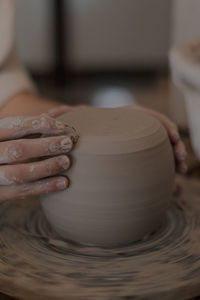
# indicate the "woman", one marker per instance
pixel 24 113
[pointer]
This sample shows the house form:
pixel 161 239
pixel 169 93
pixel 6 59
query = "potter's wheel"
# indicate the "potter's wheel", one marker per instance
pixel 35 264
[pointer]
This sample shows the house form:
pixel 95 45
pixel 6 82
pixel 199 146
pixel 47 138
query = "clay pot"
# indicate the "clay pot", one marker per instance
pixel 121 178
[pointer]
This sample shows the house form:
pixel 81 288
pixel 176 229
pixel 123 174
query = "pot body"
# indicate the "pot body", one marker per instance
pixel 114 198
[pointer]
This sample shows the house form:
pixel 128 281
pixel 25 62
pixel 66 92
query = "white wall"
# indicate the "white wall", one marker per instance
pixel 119 33
pixel 186 20
pixel 104 33
pixel 34 33
pixel 185 27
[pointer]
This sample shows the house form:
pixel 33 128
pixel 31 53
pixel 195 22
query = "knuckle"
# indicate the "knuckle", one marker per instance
pixel 5 178
pixel 46 120
pixel 51 123
pixel 19 175
pixel 43 122
pixel 15 152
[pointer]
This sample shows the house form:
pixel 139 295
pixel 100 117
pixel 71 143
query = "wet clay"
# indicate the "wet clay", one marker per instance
pixel 121 178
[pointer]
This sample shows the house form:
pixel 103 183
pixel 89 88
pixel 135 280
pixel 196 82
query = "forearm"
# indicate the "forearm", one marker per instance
pixel 26 104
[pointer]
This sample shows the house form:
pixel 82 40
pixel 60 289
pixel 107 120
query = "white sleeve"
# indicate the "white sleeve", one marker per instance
pixel 13 77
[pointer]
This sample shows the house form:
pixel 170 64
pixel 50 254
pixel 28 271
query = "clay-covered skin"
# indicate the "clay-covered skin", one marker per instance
pixel 121 178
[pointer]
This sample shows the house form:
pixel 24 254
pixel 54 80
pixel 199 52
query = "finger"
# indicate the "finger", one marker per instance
pixel 58 111
pixel 179 147
pixel 171 128
pixel 17 127
pixel 182 168
pixel 81 106
pixel 180 154
pixel 23 173
pixel 44 186
pixel 22 150
pixel 180 151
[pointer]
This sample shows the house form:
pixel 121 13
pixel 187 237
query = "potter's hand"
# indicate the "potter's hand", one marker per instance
pixel 178 146
pixel 60 110
pixel 29 162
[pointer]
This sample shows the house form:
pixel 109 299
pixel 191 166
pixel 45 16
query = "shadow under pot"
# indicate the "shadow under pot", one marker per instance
pixel 121 178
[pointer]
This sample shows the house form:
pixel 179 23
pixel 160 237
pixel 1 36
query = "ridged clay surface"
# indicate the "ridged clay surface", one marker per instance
pixel 121 178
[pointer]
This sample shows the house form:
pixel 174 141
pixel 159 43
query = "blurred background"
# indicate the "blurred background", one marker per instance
pixel 94 51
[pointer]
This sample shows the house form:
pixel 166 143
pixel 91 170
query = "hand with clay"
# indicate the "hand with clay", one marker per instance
pixel 32 152
pixel 179 149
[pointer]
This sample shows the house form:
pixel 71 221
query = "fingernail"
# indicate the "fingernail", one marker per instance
pixel 60 125
pixel 61 184
pixel 66 144
pixel 64 162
